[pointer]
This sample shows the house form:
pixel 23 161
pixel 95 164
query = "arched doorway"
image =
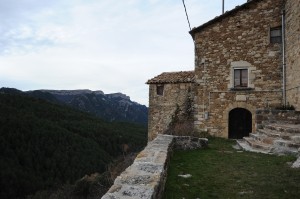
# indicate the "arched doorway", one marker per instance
pixel 240 123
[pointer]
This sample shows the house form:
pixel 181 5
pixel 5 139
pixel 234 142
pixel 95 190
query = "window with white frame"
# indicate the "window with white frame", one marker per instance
pixel 241 76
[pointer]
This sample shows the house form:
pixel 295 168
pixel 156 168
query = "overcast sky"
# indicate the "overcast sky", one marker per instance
pixel 108 45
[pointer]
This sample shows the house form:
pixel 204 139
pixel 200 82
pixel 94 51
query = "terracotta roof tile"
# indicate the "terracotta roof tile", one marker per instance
pixel 173 77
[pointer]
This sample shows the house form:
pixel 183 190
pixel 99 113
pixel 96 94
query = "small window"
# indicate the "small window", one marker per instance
pixel 160 89
pixel 275 35
pixel 240 78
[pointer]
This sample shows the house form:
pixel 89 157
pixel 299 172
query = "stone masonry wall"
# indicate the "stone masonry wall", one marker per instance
pixel 271 116
pixel 161 108
pixel 146 177
pixel 293 52
pixel 241 39
pixel 221 103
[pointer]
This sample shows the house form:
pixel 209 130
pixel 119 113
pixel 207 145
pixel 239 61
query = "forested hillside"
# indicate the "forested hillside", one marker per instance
pixel 44 145
pixel 111 107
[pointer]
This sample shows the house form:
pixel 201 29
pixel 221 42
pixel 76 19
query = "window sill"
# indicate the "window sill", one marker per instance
pixel 241 89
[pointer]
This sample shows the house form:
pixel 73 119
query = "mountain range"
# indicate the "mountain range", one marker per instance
pixel 46 145
pixel 111 107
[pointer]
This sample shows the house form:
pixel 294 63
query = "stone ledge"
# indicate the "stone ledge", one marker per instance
pixel 242 89
pixel 146 177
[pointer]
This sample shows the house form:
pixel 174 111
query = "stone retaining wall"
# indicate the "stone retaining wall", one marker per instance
pixel 146 177
pixel 270 116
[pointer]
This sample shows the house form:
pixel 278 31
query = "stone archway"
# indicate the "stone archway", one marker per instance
pixel 240 123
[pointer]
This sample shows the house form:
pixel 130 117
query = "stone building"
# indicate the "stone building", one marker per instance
pixel 292 38
pixel 246 59
pixel 167 91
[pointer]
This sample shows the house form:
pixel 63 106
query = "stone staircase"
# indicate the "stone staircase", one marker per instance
pixel 278 132
pixel 273 138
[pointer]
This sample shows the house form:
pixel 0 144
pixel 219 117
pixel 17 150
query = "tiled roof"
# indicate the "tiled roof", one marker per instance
pixel 173 77
pixel 219 18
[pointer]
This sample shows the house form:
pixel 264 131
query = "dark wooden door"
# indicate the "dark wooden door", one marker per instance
pixel 240 123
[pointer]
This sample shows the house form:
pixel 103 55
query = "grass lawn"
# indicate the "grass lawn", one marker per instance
pixel 220 171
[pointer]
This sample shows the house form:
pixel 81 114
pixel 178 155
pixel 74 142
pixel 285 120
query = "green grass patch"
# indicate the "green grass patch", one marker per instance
pixel 219 171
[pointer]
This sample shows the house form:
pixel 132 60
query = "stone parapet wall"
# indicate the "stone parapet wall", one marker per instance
pixel 146 177
pixel 293 52
pixel 271 116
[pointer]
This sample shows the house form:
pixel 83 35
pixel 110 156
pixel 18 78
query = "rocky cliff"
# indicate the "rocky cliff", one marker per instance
pixel 112 107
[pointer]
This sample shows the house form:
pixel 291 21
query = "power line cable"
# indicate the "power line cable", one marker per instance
pixel 187 17
pixel 223 8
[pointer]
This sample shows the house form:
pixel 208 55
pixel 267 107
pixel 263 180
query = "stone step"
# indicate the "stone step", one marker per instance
pixel 285 147
pixel 295 139
pixel 245 146
pixel 257 144
pixel 296 164
pixel 277 144
pixel 276 138
pixel 275 134
pixel 257 136
pixel 289 121
pixel 287 144
pixel 287 128
pixel 260 137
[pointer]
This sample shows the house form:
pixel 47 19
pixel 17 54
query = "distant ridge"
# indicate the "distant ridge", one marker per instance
pixel 111 107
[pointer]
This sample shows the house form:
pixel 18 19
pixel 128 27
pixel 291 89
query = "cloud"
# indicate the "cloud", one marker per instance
pixel 114 46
